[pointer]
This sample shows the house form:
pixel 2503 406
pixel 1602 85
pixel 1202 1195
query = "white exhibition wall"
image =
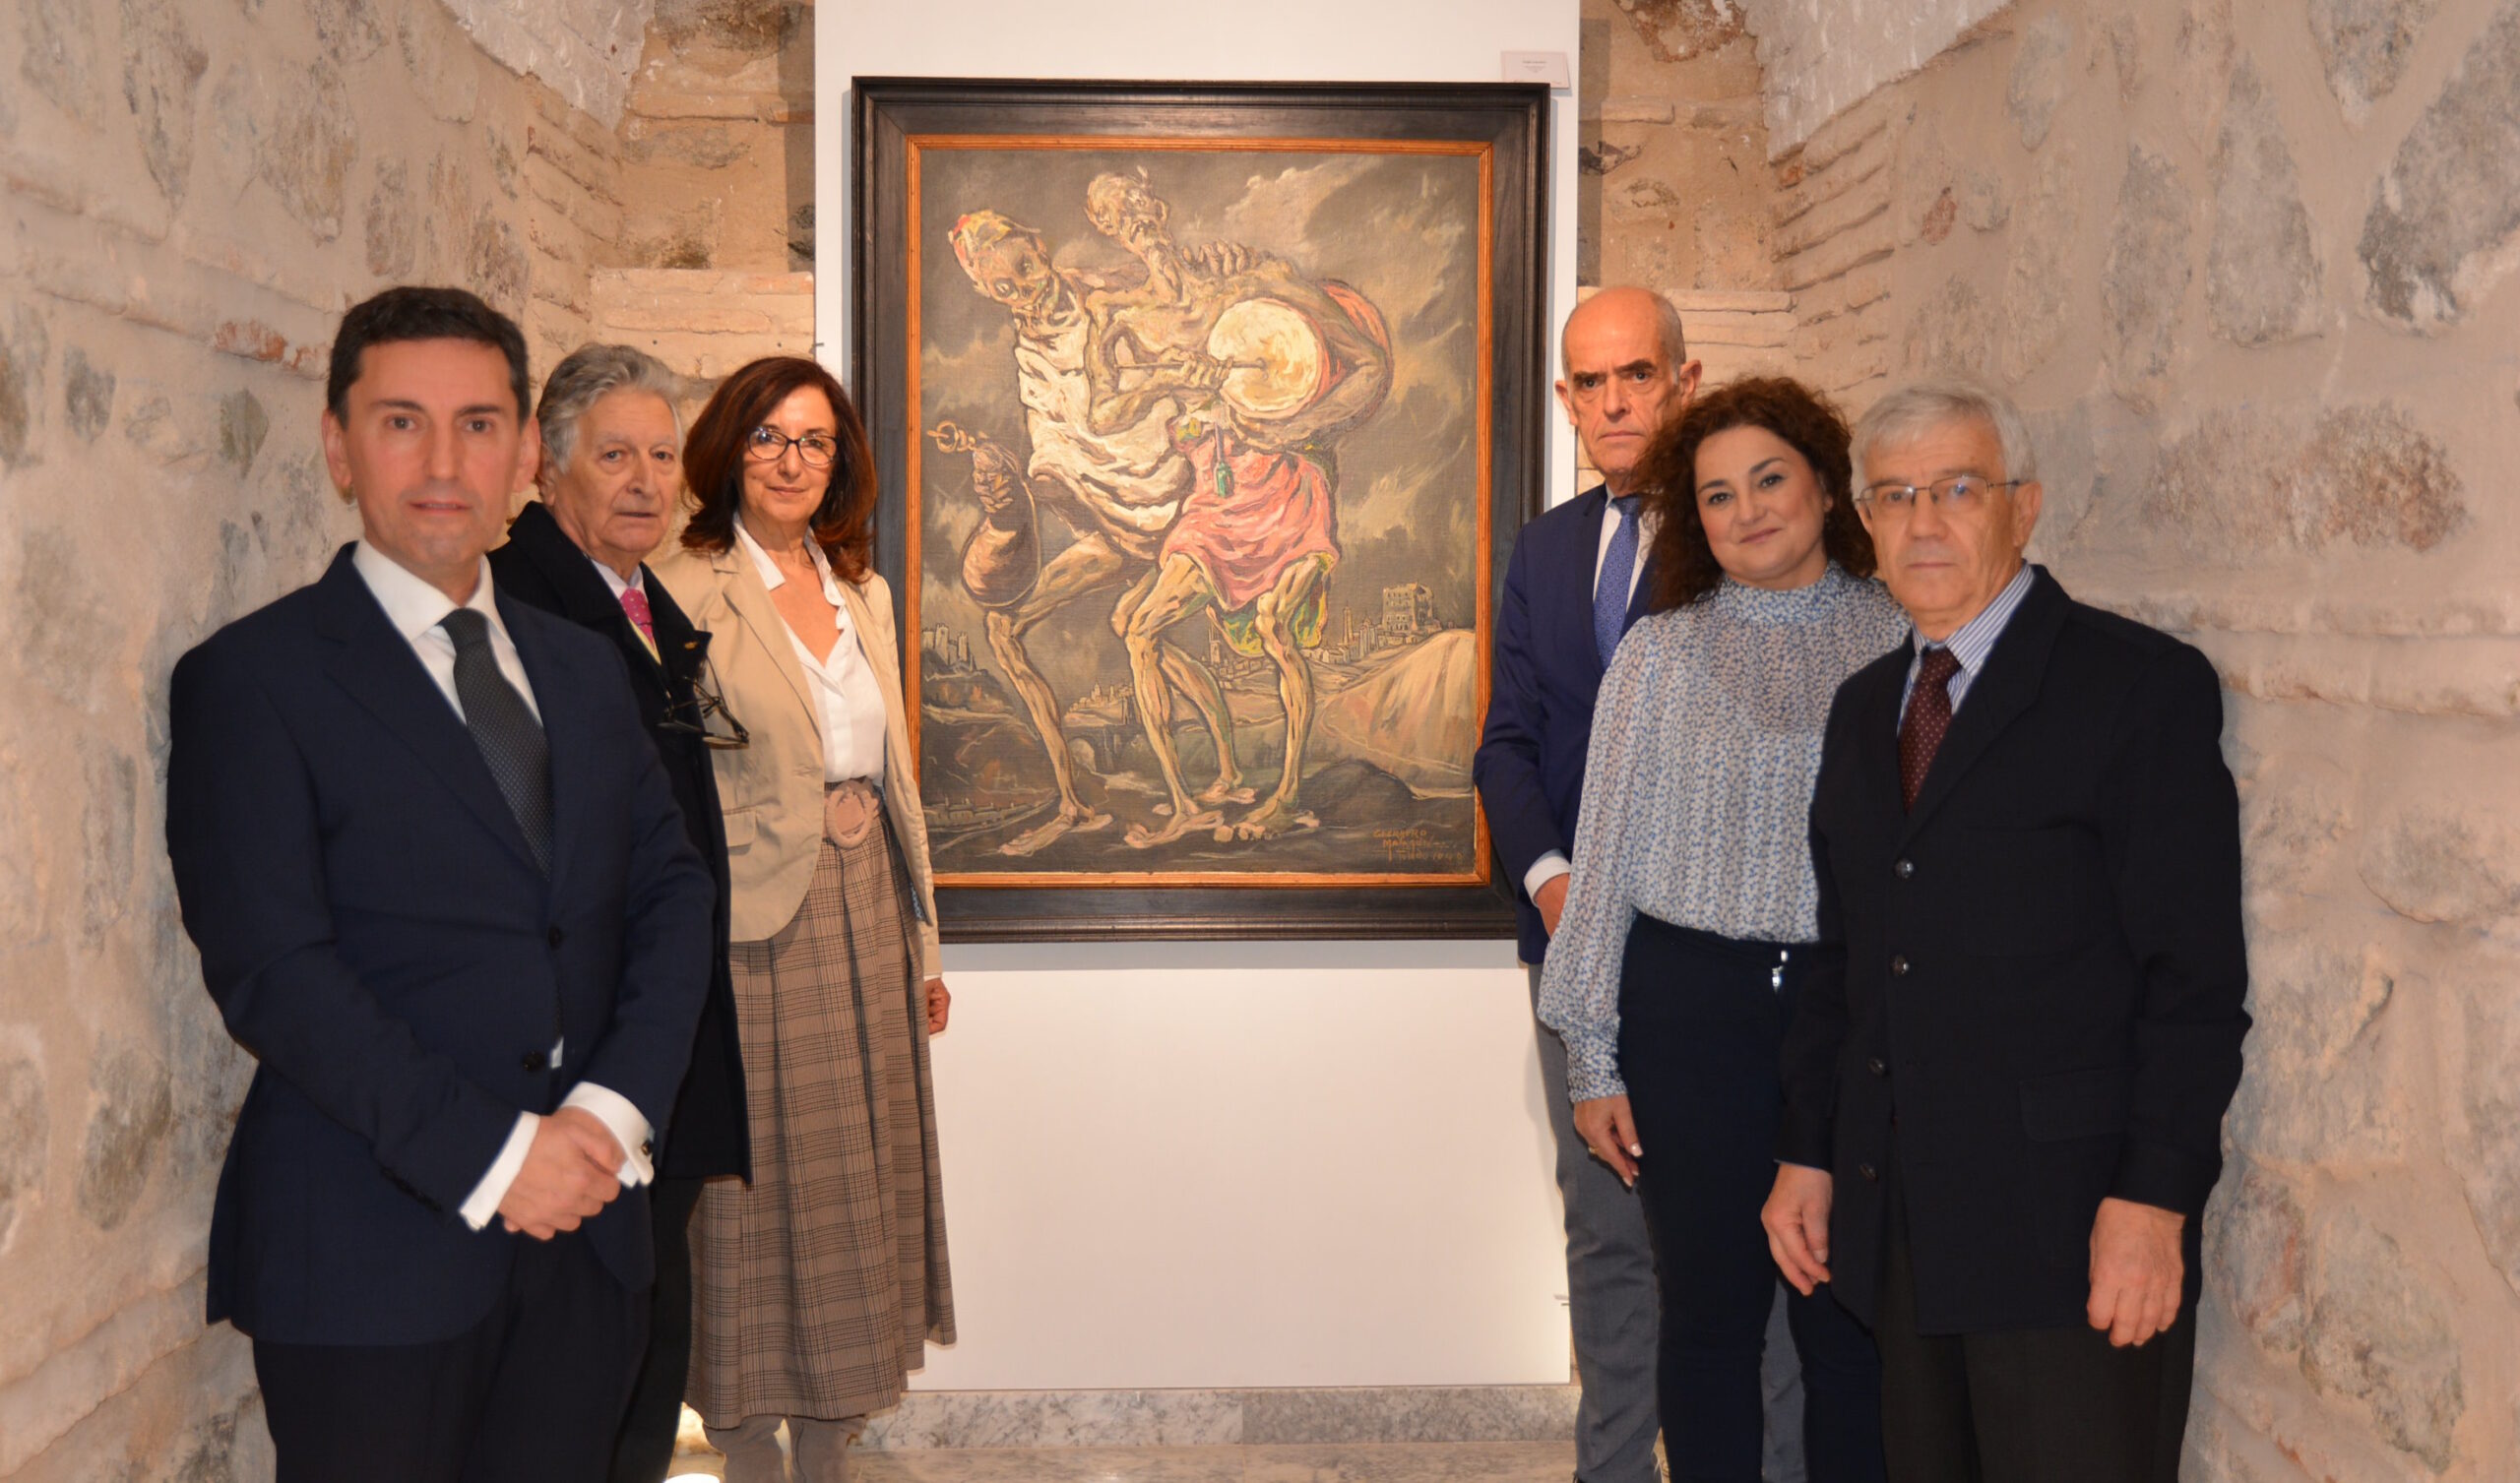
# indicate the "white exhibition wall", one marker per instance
pixel 1242 1164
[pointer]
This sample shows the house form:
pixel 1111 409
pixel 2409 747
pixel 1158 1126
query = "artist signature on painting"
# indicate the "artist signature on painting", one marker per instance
pixel 1415 845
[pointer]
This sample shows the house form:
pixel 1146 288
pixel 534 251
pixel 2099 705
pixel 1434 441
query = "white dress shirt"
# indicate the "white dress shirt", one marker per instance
pixel 636 582
pixel 1554 864
pixel 1972 642
pixel 417 610
pixel 848 700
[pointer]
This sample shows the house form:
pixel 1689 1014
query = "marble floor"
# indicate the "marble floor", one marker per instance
pixel 1332 1462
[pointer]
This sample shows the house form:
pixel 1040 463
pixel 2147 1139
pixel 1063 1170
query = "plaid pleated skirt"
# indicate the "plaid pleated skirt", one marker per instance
pixel 815 1287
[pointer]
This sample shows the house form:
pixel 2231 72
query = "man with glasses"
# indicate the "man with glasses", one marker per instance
pixel 611 470
pixel 2004 1105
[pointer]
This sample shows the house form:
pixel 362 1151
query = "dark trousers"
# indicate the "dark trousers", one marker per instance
pixel 1701 1020
pixel 645 1450
pixel 2036 1405
pixel 531 1394
pixel 1610 1291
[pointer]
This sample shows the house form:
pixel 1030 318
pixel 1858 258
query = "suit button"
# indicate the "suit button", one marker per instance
pixel 1898 967
pixel 538 1061
pixel 1880 1068
pixel 1869 1172
pixel 557 937
pixel 1904 870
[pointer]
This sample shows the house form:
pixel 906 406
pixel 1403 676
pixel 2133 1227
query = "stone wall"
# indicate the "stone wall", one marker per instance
pixel 2247 268
pixel 582 49
pixel 1671 191
pixel 702 323
pixel 717 143
pixel 1822 56
pixel 193 193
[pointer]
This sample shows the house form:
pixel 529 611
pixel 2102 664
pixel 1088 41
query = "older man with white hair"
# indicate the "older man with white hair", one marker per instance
pixel 611 470
pixel 2004 1105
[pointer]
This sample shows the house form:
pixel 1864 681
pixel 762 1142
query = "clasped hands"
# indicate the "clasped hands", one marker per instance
pixel 2136 1268
pixel 572 1171
pixel 573 1167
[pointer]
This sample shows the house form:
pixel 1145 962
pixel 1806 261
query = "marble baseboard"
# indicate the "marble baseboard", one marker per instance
pixel 1459 1463
pixel 1403 1462
pixel 1361 1416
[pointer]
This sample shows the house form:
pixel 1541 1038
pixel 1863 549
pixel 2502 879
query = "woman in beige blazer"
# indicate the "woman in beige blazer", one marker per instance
pixel 816 1285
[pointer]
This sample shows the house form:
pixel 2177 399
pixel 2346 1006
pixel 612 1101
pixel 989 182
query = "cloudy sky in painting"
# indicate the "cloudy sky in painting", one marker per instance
pixel 1399 228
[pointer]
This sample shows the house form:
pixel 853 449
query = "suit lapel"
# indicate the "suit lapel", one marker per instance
pixel 680 646
pixel 752 606
pixel 868 635
pixel 1877 727
pixel 1641 600
pixel 2001 692
pixel 585 599
pixel 1579 589
pixel 376 667
pixel 901 770
pixel 566 731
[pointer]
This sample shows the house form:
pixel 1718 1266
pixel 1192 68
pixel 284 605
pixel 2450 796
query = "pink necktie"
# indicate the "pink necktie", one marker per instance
pixel 635 604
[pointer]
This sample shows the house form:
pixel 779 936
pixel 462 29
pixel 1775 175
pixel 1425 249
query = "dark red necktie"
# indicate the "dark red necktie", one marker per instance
pixel 1929 718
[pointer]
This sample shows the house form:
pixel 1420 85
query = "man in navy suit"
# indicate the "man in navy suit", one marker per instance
pixel 1573 588
pixel 443 894
pixel 2004 1098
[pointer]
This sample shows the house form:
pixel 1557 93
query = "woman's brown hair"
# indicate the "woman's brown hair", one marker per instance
pixel 712 463
pixel 1685 565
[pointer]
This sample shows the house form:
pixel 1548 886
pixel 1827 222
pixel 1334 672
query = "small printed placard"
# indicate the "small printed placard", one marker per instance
pixel 1537 67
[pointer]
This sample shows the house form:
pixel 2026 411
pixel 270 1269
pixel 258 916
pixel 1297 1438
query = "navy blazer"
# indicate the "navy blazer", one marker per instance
pixel 1546 673
pixel 2043 967
pixel 376 933
pixel 710 1133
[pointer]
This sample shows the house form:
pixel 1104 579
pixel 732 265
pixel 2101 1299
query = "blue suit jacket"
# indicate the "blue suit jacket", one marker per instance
pixel 1547 674
pixel 375 932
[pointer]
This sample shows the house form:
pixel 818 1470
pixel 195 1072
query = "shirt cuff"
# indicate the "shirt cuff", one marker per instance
pixel 628 1126
pixel 483 1202
pixel 1546 869
pixel 1592 1065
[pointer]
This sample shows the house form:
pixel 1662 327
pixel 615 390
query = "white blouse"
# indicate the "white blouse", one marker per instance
pixel 848 700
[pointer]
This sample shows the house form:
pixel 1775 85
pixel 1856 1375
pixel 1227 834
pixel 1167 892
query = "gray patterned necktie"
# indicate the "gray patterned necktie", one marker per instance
pixel 503 727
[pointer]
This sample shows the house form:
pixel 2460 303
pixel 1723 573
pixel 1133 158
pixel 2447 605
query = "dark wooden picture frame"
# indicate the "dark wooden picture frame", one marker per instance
pixel 910 135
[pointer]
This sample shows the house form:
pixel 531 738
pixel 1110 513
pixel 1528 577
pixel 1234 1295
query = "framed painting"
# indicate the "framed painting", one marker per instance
pixel 1205 418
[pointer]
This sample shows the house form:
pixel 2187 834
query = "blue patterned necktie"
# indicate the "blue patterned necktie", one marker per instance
pixel 503 727
pixel 1618 573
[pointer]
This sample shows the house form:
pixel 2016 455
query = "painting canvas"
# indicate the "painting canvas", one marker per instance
pixel 1197 506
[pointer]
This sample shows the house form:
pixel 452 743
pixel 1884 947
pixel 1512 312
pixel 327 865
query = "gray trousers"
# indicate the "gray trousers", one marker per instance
pixel 1617 1309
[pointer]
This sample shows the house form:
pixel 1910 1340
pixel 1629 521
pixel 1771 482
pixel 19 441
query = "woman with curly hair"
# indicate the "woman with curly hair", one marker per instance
pixel 1692 921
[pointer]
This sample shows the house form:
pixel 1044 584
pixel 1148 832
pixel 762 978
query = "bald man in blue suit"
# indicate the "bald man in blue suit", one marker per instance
pixel 1574 586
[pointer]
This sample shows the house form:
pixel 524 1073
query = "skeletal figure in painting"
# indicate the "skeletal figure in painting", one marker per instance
pixel 1118 489
pixel 1269 369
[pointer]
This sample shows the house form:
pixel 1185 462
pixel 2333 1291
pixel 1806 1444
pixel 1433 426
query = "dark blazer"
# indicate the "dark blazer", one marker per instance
pixel 541 565
pixel 1546 673
pixel 2042 969
pixel 377 934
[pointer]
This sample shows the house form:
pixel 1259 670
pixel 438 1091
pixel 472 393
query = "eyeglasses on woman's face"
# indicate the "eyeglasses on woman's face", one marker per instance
pixel 767 445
